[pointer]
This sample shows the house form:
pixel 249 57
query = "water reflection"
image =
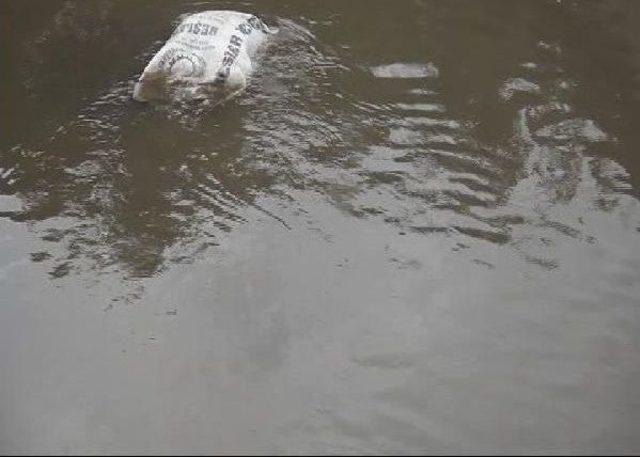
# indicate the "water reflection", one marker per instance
pixel 467 123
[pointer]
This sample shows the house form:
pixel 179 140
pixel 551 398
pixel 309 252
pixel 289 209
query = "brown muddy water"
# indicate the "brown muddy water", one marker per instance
pixel 417 231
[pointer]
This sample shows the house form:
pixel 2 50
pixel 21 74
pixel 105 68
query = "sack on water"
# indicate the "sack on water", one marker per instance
pixel 208 57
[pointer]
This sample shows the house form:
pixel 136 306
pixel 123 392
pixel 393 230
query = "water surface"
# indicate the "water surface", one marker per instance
pixel 417 231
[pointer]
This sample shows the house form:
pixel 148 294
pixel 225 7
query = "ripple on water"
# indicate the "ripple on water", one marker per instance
pixel 393 149
pixel 406 70
pixel 461 270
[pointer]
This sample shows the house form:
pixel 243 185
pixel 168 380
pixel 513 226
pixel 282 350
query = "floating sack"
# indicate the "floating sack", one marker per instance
pixel 208 57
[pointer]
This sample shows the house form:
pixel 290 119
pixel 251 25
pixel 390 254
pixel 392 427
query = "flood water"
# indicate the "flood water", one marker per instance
pixel 418 230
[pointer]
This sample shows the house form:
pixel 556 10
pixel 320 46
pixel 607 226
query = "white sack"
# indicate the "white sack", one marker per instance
pixel 209 56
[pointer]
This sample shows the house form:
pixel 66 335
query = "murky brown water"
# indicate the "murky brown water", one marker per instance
pixel 418 231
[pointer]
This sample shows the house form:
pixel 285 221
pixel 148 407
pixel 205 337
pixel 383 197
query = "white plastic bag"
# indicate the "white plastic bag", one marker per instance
pixel 208 57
